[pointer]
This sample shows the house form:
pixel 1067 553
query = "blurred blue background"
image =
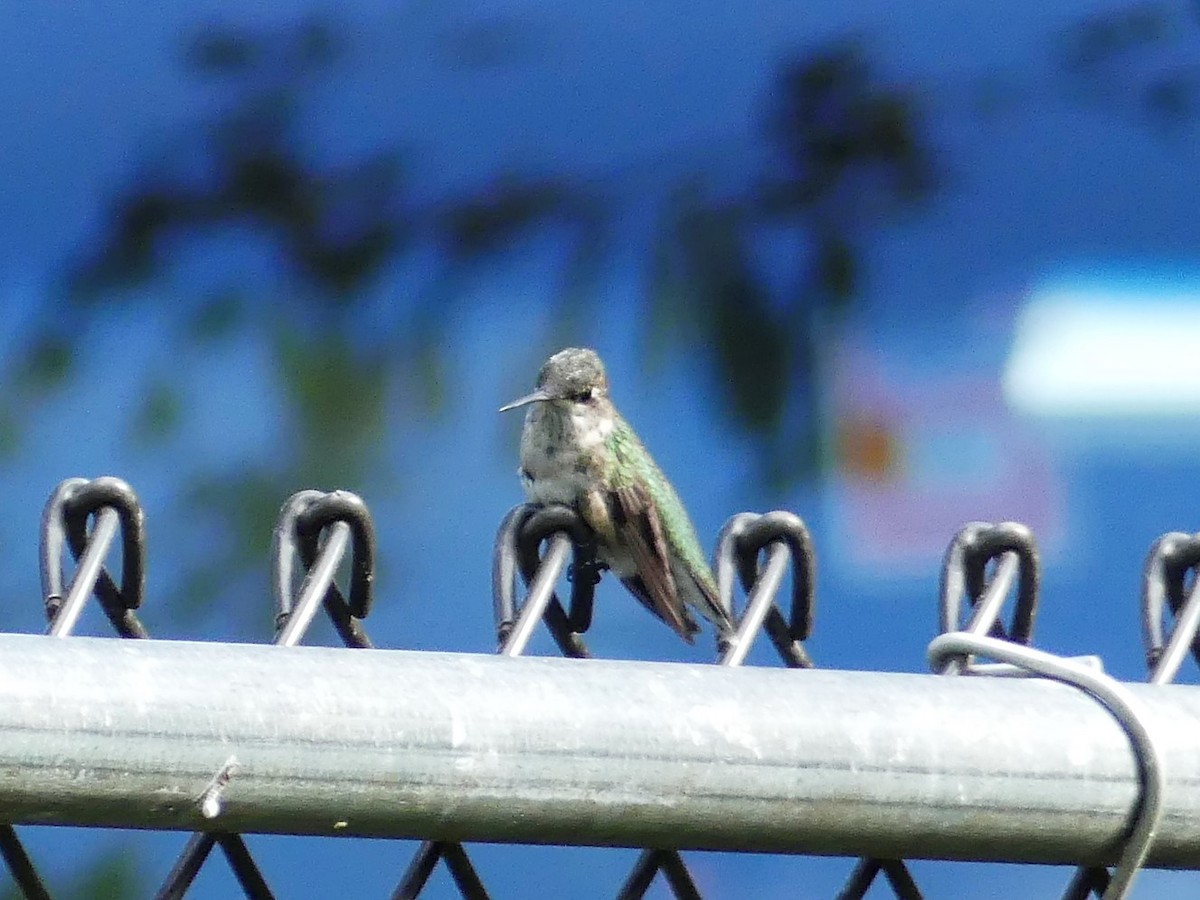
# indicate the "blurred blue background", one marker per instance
pixel 892 266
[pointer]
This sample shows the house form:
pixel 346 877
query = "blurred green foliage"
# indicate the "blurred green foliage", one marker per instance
pixel 849 149
pixel 841 136
pixel 1135 61
pixel 112 877
pixel 845 150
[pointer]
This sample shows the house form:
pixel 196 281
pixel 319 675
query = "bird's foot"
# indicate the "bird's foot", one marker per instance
pixel 586 572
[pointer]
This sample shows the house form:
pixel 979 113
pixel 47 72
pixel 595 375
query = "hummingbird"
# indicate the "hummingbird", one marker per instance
pixel 577 450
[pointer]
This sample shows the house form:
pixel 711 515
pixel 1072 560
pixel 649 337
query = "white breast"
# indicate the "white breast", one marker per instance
pixel 589 431
pixel 552 446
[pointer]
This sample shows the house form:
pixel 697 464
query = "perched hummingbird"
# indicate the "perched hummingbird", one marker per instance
pixel 577 450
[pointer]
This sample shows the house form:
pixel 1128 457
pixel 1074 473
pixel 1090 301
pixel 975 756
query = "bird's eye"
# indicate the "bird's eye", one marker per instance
pixel 583 396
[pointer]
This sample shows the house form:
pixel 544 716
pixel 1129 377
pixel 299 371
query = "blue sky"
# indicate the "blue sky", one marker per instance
pixel 1052 186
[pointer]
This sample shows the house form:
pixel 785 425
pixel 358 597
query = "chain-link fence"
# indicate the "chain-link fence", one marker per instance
pixel 451 748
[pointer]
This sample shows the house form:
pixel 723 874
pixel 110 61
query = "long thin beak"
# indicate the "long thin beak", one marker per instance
pixel 537 396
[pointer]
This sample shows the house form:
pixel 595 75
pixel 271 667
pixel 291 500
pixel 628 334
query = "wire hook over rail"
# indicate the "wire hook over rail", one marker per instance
pixel 1107 691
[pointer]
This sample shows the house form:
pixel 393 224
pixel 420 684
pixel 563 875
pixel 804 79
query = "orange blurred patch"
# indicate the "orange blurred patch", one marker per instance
pixel 867 449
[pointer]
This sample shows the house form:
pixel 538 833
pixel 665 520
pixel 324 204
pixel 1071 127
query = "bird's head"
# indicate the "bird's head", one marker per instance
pixel 571 377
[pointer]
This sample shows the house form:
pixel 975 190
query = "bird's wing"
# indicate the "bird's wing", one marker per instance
pixel 637 587
pixel 706 600
pixel 637 525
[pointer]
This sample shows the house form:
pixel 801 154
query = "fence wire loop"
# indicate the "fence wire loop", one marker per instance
pixel 518 541
pixel 1109 693
pixel 1172 558
pixel 742 540
pixel 966 577
pixel 504 570
pixel 53 542
pixel 314 529
pixel 343 506
pixel 585 569
pixel 113 506
pixel 780 537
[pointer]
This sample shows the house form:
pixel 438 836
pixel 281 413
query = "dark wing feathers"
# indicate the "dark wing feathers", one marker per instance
pixel 637 587
pixel 637 525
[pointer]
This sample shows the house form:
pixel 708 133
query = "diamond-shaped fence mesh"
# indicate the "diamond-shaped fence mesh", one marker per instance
pixel 984 565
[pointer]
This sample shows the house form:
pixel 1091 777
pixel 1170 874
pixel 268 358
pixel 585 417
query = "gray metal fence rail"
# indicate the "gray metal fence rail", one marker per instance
pixel 465 747
pixel 218 739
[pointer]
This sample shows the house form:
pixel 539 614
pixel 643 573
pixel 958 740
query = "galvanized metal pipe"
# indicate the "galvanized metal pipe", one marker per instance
pixel 467 747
